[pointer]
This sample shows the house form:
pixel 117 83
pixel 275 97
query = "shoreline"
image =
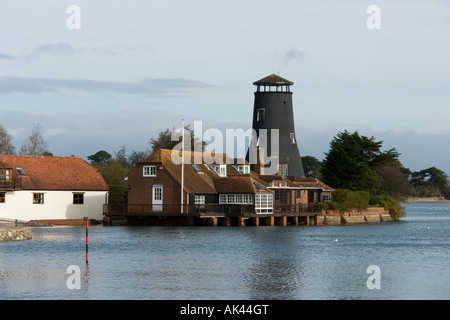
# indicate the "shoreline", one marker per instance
pixel 423 200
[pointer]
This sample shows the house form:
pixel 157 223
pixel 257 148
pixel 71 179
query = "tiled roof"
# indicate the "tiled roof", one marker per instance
pixel 207 181
pixel 312 183
pixel 273 80
pixel 4 165
pixel 55 173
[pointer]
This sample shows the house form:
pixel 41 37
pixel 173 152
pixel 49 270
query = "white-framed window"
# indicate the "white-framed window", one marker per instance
pixel 222 198
pixel 236 199
pixel 247 199
pixel 157 193
pixel 243 169
pixel 263 203
pixel 292 138
pixel 199 199
pixel 327 197
pixel 220 169
pixel 149 171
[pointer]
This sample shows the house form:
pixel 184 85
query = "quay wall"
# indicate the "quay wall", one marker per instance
pixel 375 214
pixel 371 215
pixel 15 233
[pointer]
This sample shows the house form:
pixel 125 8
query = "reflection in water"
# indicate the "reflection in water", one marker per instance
pixel 276 269
pixel 235 263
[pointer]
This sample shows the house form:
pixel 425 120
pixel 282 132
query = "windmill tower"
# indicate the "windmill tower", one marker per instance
pixel 273 110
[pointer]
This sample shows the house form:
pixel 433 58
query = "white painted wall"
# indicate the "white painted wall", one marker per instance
pixel 57 205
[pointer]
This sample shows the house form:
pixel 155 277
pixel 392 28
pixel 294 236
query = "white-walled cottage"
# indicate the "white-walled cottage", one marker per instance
pixel 57 190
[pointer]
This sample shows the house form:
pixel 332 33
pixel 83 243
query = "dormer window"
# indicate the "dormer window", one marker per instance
pixel 243 169
pixel 221 170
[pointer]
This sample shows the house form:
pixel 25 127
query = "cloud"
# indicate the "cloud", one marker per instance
pixel 62 49
pixel 4 56
pixel 164 87
pixel 294 54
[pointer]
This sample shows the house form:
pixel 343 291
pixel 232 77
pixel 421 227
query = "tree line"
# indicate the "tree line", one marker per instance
pixel 354 162
pixel 358 163
pixel 34 145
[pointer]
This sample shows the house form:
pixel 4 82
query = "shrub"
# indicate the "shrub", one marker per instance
pixel 396 210
pixel 345 200
pixel 118 194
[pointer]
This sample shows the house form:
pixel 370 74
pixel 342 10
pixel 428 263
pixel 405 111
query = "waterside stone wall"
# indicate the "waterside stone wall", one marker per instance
pixel 375 214
pixel 15 233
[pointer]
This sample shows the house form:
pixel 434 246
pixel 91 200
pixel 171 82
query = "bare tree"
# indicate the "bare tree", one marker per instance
pixel 6 146
pixel 35 144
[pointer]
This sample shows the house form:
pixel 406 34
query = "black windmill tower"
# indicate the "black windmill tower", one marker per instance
pixel 273 109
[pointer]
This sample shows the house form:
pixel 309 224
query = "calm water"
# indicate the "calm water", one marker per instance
pixel 236 262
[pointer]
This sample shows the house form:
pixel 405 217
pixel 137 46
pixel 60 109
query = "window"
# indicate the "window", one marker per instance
pixel 259 186
pixel 197 168
pixel 38 198
pixel 20 170
pixel 263 203
pixel 261 114
pixel 221 170
pixel 199 199
pixel 247 199
pixel 283 196
pixel 4 175
pixel 327 197
pixel 292 137
pixel 283 169
pixel 78 198
pixel 243 169
pixel 2 197
pixel 236 199
pixel 149 171
pixel 157 193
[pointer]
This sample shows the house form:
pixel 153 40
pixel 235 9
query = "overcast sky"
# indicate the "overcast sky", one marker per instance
pixel 136 67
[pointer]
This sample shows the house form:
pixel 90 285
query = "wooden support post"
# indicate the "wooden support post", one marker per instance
pixel 240 221
pixel 316 219
pixel 190 221
pixel 307 220
pixel 255 221
pixel 295 221
pixel 210 222
pixel 281 221
pixel 226 221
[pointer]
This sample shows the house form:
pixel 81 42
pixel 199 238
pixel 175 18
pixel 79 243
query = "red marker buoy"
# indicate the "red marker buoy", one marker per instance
pixel 87 239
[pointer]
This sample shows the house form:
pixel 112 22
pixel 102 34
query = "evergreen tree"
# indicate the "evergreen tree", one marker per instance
pixel 352 160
